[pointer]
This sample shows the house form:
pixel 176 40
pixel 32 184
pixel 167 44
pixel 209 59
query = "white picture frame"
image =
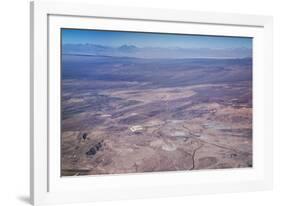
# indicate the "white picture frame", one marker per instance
pixel 46 184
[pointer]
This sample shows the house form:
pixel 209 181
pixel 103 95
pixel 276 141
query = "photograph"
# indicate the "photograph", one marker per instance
pixel 137 102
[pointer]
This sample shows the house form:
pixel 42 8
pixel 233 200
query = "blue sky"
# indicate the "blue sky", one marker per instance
pixel 116 39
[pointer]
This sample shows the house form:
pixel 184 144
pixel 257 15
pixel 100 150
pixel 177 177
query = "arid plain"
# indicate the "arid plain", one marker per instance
pixel 127 115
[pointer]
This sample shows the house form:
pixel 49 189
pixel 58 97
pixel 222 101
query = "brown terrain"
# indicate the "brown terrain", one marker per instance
pixel 195 116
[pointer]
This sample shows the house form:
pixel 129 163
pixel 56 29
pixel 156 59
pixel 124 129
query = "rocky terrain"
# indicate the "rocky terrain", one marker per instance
pixel 125 115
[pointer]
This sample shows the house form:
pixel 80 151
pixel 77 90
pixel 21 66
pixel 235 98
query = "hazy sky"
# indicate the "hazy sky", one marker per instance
pixel 116 39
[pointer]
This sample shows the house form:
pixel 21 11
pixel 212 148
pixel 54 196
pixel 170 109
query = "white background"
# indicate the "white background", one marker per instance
pixel 14 100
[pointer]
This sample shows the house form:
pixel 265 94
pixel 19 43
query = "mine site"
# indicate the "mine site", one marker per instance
pixel 134 115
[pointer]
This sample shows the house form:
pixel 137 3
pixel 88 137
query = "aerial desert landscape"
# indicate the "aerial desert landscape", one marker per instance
pixel 134 115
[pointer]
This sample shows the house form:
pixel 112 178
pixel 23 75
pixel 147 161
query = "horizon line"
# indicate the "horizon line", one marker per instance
pixel 93 55
pixel 175 47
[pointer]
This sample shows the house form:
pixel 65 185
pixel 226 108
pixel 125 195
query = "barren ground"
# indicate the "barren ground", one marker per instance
pixel 147 127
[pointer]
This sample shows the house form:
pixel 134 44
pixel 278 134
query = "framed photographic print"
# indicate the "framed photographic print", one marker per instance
pixel 137 103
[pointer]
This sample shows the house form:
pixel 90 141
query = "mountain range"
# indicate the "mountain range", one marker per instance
pixel 155 52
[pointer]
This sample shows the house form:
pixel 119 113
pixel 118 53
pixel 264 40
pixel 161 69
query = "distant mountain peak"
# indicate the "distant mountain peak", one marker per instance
pixel 155 52
pixel 128 46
